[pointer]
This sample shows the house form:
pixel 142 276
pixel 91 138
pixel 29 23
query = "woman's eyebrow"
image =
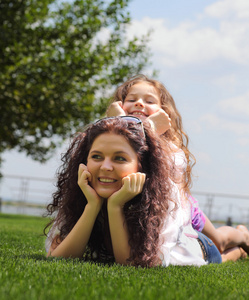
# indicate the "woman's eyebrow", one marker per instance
pixel 116 152
pixel 121 152
pixel 95 151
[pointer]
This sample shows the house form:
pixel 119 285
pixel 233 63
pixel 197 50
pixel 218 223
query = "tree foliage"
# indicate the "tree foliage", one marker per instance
pixel 59 63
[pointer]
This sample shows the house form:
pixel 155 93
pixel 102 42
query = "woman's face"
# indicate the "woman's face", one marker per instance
pixel 110 159
pixel 142 100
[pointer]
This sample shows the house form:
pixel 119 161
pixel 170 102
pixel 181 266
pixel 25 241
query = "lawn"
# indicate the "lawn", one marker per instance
pixel 25 273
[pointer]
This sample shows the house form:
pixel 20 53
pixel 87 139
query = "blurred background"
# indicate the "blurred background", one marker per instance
pixel 61 66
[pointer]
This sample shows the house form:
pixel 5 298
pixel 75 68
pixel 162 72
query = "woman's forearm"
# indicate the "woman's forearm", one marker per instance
pixel 74 244
pixel 119 234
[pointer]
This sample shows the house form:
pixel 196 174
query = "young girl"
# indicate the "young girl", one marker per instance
pixel 149 99
pixel 111 203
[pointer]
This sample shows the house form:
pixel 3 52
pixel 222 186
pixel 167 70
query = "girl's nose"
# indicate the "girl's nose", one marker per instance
pixel 139 103
pixel 106 165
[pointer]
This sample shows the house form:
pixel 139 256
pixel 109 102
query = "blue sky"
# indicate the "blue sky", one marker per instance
pixel 201 49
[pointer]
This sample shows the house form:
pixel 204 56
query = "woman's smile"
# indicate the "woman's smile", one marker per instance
pixel 105 180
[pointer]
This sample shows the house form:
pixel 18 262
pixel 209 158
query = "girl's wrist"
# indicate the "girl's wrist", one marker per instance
pixel 152 125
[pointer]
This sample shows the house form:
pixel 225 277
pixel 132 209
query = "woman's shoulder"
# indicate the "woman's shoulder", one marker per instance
pixel 53 232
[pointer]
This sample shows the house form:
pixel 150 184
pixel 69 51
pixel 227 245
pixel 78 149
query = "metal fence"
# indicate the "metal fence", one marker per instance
pixel 222 206
pixel 25 195
pixel 30 195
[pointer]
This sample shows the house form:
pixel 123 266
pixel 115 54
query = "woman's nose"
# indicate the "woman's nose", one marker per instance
pixel 106 165
pixel 139 103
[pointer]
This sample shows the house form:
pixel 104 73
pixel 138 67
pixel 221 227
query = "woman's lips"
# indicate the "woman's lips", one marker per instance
pixel 106 180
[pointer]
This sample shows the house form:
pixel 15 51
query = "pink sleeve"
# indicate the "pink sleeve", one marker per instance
pixel 198 217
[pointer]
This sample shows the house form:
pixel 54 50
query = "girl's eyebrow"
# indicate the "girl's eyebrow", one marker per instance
pixel 148 94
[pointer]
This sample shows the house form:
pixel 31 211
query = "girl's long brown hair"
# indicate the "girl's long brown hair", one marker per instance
pixel 144 214
pixel 176 133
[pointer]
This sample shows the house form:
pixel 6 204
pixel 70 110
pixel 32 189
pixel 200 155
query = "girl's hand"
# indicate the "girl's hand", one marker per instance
pixel 115 109
pixel 132 186
pixel 160 121
pixel 84 177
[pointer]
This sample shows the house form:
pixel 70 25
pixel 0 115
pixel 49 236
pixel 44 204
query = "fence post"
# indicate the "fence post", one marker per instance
pixel 209 205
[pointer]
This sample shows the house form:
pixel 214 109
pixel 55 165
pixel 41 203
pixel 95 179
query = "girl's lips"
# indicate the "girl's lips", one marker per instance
pixel 138 113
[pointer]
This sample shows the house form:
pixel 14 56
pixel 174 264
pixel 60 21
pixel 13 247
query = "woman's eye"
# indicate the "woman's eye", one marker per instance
pixel 96 156
pixel 120 158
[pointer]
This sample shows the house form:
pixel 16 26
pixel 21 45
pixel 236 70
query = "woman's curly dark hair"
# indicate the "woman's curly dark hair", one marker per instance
pixel 144 214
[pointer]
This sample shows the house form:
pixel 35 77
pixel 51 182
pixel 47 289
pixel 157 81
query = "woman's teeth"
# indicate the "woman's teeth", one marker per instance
pixel 106 180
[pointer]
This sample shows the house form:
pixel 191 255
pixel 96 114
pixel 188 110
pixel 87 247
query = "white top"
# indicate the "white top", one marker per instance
pixel 179 245
pixel 51 235
pixel 178 238
pixel 179 158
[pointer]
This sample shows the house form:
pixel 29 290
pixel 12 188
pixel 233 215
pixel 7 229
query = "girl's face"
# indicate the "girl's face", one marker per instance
pixel 142 100
pixel 110 159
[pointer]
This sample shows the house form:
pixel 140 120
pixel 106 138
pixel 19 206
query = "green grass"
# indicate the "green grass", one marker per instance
pixel 25 273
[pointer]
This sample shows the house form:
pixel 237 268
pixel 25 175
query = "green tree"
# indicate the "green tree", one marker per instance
pixel 59 63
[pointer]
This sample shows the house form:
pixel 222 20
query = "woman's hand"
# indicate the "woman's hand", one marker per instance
pixel 132 186
pixel 160 121
pixel 84 177
pixel 115 109
pixel 74 245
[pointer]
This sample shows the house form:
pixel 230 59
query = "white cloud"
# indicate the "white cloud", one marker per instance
pixel 243 157
pixel 227 9
pixel 215 122
pixel 237 105
pixel 211 119
pixel 226 81
pixel 203 157
pixel 243 141
pixel 195 43
pixel 180 45
pixel 230 118
pixel 193 126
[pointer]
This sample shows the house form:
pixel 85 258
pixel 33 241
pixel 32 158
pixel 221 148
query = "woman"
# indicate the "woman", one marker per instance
pixel 112 204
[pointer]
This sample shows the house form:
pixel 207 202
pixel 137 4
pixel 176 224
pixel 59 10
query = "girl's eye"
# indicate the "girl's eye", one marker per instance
pixel 120 158
pixel 150 101
pixel 130 100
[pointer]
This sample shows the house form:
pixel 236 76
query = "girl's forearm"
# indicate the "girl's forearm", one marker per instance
pixel 119 234
pixel 74 244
